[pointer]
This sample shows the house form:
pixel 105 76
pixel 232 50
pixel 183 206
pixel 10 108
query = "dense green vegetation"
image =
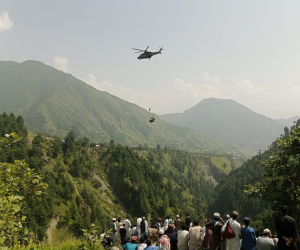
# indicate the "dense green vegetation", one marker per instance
pixel 54 102
pixel 230 122
pixel 281 173
pixel 261 184
pixel 89 183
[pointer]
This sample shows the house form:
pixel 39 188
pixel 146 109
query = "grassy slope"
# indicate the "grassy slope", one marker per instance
pixel 219 163
pixel 54 102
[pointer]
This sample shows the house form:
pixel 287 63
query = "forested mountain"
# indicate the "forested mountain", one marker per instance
pixel 91 183
pixel 230 122
pixel 54 102
pixel 229 194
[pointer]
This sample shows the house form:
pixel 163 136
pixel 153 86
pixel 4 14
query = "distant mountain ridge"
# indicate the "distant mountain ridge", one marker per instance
pixel 230 122
pixel 289 121
pixel 54 102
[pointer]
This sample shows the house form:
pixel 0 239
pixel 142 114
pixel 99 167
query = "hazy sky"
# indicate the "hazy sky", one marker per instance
pixel 224 49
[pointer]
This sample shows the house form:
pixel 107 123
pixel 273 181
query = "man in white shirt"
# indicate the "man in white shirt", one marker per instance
pixel 166 223
pixel 183 238
pixel 139 219
pixel 142 245
pixel 233 243
pixel 195 236
pixel 264 242
pixel 127 226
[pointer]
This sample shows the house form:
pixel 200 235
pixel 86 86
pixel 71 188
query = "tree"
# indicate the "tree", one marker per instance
pixel 17 182
pixel 69 145
pixel 281 174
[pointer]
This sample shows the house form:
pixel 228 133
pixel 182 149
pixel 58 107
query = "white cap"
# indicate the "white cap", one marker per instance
pixel 177 216
pixel 266 231
pixel 161 231
pixel 217 215
pixel 114 219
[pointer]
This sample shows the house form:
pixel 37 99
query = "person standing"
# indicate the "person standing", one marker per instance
pixel 207 242
pixel 183 237
pixel 177 223
pixel 159 227
pixel 217 225
pixel 138 220
pixel 172 234
pixel 113 231
pixel 128 227
pixel 195 236
pixel 248 236
pixel 119 224
pixel 286 230
pixel 123 234
pixel 233 243
pixel 143 228
pixel 264 242
pixel 188 220
pixel 166 223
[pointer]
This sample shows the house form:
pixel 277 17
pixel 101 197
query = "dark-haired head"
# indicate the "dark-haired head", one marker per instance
pixel 119 219
pixel 283 209
pixel 183 226
pixel 148 242
pixel 246 222
pixel 126 239
pixel 196 222
pixel 142 240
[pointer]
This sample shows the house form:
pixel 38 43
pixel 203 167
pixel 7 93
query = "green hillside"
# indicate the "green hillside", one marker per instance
pixel 230 122
pixel 54 102
pixel 91 184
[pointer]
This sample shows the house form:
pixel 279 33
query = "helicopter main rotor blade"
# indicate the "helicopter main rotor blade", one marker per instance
pixel 146 48
pixel 138 49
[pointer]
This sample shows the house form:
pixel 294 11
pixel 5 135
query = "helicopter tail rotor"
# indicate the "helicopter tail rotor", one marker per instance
pixel 160 49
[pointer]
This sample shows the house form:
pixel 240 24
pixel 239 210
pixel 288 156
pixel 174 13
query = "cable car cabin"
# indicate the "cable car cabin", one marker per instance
pixel 151 119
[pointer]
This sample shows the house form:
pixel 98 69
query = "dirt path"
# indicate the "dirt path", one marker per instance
pixel 52 226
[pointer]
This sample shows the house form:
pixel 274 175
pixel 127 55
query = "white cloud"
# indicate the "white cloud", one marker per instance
pixel 177 97
pixel 245 87
pixel 5 22
pixel 211 80
pixel 61 63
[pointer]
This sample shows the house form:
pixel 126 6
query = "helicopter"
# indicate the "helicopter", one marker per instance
pixel 147 54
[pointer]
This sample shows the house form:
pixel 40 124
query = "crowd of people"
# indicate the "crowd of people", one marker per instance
pixel 215 234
